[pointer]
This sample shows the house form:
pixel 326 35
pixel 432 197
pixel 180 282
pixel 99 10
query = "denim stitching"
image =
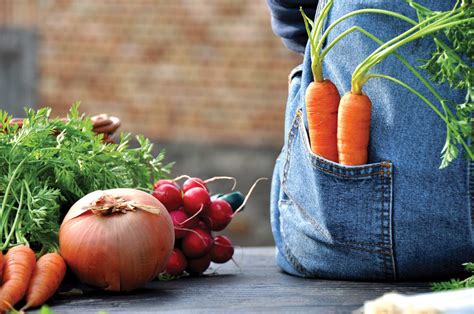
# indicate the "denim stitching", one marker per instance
pixel 335 241
pixel 289 147
pixel 390 200
pixel 296 70
pixel 382 214
pixel 294 262
pixel 308 217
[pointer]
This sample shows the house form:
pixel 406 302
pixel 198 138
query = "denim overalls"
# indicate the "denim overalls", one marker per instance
pixel 397 218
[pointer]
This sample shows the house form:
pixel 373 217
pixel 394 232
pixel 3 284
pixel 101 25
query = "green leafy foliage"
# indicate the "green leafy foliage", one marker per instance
pixel 456 283
pixel 451 64
pixel 48 164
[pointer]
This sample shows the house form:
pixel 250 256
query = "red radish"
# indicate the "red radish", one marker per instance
pixel 221 250
pixel 194 183
pixel 196 199
pixel 181 221
pixel 204 224
pixel 169 195
pixel 196 243
pixel 176 264
pixel 197 266
pixel 164 181
pixel 219 214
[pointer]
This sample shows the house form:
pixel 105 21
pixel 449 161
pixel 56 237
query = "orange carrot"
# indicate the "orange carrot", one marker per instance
pixel 353 129
pixel 322 101
pixel 19 265
pixel 47 276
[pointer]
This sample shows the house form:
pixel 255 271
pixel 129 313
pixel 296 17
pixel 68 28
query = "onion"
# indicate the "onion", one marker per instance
pixel 118 239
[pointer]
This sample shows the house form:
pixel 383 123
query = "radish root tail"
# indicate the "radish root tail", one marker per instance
pixel 195 215
pixel 248 195
pixel 189 178
pixel 223 178
pixel 181 177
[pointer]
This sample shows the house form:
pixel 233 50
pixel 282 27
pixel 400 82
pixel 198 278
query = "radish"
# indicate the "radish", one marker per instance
pixel 197 266
pixel 219 214
pixel 195 200
pixel 194 183
pixel 204 224
pixel 181 222
pixel 169 195
pixel 196 243
pixel 221 250
pixel 164 181
pixel 176 264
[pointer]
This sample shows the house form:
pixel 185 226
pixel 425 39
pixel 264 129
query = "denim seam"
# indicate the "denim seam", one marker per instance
pixel 294 262
pixel 334 241
pixel 382 226
pixel 308 217
pixel 388 260
pixel 296 70
pixel 390 203
pixel 337 243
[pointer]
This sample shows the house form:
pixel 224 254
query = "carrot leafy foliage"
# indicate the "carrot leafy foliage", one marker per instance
pixel 457 283
pixel 451 63
pixel 48 164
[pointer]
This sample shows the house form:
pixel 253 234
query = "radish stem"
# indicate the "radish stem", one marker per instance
pixel 248 195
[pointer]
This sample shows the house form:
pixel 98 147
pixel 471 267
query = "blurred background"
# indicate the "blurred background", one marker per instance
pixel 205 80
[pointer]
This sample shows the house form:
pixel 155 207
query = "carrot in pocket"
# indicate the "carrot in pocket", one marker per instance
pixel 18 267
pixel 322 102
pixel 47 277
pixel 353 129
pixel 322 97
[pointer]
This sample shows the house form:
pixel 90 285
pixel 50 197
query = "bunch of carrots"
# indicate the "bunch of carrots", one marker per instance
pixel 339 128
pixel 23 276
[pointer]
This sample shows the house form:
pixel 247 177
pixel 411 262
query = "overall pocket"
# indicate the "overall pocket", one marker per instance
pixel 335 220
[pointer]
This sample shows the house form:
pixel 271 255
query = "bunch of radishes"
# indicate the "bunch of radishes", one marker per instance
pixel 195 216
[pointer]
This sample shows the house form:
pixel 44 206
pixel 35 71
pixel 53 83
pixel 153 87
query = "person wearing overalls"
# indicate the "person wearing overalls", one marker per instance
pixel 399 217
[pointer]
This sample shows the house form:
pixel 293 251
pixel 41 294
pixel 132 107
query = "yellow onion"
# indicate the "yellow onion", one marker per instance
pixel 118 239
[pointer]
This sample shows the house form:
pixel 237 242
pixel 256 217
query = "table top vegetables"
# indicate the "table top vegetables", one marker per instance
pixel 46 165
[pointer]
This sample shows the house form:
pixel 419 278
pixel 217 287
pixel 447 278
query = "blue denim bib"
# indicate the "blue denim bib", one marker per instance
pixel 397 218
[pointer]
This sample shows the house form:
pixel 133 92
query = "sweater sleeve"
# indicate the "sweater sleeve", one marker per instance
pixel 287 21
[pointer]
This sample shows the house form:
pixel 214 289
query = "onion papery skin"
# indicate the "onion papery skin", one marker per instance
pixel 117 252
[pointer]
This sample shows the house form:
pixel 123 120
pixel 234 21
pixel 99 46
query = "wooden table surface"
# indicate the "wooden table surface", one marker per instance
pixel 258 286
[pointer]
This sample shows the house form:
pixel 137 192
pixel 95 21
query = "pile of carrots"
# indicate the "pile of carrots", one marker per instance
pixel 23 276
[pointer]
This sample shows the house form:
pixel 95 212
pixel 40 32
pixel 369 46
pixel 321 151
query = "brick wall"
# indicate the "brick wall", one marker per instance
pixel 180 71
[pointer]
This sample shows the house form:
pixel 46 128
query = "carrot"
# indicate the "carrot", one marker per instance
pixel 19 265
pixel 353 129
pixel 322 101
pixel 322 97
pixel 47 276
